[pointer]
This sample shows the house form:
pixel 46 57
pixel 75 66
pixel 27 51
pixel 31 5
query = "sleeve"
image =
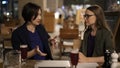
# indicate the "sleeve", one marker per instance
pixel 45 32
pixel 81 45
pixel 109 43
pixel 15 41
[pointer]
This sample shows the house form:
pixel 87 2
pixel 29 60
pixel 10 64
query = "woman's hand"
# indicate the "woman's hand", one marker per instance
pixel 53 42
pixel 40 52
pixel 82 58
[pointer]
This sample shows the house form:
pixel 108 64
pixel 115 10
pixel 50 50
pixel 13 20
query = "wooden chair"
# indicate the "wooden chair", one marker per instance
pixel 5 36
pixel 69 35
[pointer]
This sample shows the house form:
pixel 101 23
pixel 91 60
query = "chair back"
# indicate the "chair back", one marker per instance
pixel 69 33
pixel 67 37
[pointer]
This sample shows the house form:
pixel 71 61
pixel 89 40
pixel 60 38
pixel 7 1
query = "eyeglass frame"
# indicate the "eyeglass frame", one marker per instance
pixel 88 15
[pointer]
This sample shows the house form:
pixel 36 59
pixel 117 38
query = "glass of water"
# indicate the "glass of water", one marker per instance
pixel 12 59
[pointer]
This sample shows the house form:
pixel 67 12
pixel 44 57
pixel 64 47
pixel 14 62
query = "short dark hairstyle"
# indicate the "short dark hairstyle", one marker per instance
pixel 30 10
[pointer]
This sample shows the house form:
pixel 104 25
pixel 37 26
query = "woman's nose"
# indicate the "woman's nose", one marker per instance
pixel 39 17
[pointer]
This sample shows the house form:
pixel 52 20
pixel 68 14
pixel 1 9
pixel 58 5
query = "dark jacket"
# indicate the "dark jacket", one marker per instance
pixel 103 41
pixel 20 36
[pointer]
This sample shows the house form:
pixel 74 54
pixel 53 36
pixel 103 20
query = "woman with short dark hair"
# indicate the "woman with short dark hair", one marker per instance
pixel 32 33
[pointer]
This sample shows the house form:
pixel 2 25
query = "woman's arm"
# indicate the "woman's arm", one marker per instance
pixel 15 40
pixel 84 59
pixel 31 53
pixel 109 42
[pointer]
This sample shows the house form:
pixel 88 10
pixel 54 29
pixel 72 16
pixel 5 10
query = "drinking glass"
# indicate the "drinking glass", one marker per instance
pixel 118 57
pixel 1 55
pixel 1 63
pixel 12 59
pixel 23 49
pixel 74 58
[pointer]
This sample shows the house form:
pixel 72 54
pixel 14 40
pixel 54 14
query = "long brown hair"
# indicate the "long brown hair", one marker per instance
pixel 100 17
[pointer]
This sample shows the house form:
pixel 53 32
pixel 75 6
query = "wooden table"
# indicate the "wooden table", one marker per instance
pixel 46 64
pixel 29 64
pixel 56 64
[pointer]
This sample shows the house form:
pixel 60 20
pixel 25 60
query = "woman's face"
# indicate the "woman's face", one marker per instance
pixel 90 18
pixel 37 20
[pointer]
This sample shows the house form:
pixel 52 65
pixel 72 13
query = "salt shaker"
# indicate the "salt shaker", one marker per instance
pixel 114 57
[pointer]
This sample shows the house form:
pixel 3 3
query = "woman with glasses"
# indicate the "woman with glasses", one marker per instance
pixel 33 34
pixel 97 37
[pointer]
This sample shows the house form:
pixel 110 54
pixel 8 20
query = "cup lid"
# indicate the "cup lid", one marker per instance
pixel 75 51
pixel 23 46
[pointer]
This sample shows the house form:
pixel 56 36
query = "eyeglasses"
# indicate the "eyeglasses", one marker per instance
pixel 87 15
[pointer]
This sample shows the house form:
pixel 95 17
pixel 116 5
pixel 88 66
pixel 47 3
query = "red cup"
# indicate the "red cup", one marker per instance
pixel 23 49
pixel 74 58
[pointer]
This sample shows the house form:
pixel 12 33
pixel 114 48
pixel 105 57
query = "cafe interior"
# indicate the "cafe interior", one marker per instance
pixel 63 20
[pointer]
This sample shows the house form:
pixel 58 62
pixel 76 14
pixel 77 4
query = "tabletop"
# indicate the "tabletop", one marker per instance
pixel 57 64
